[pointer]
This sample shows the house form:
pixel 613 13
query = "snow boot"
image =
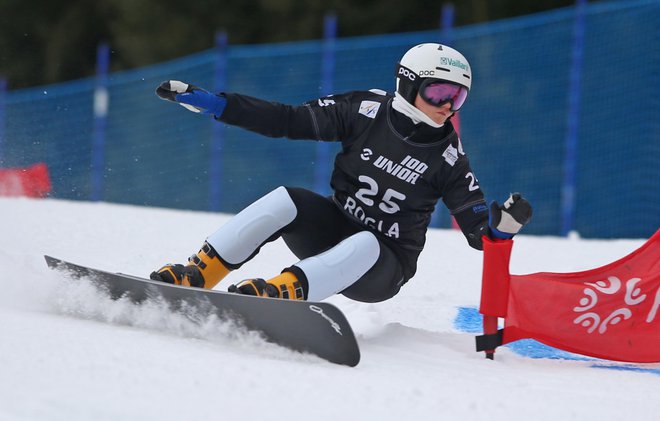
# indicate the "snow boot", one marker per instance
pixel 285 286
pixel 204 270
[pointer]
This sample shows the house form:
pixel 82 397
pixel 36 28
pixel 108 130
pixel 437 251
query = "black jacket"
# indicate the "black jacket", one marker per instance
pixel 390 172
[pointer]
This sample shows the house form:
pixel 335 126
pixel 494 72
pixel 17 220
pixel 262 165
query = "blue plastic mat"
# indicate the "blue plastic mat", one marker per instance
pixel 468 319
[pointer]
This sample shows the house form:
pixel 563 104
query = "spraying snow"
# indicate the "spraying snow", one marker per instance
pixel 68 352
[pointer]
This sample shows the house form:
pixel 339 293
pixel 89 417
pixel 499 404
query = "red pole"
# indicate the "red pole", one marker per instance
pixel 490 328
pixel 494 287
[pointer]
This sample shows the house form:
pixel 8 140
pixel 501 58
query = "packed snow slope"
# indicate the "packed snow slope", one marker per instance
pixel 67 352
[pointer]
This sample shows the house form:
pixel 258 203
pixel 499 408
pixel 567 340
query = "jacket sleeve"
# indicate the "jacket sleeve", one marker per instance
pixel 465 200
pixel 322 119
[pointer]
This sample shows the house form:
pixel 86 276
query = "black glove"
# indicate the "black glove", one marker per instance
pixel 192 98
pixel 505 221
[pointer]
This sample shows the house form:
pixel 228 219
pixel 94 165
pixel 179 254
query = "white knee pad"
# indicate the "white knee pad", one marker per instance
pixel 340 267
pixel 236 240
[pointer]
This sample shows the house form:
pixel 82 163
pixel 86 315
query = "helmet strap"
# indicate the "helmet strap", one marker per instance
pixel 408 83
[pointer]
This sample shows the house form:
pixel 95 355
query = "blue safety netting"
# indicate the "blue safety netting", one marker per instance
pixel 514 124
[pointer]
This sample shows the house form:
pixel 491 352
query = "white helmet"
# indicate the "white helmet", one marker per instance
pixel 431 61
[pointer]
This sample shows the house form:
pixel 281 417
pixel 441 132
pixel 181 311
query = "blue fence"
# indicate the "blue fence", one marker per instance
pixel 564 108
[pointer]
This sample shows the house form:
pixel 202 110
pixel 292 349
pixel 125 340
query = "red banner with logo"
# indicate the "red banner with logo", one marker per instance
pixel 612 312
pixel 32 181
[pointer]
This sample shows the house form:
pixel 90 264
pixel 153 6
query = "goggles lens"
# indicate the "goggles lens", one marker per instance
pixel 438 93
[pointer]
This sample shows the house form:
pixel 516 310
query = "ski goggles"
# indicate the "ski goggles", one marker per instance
pixel 437 93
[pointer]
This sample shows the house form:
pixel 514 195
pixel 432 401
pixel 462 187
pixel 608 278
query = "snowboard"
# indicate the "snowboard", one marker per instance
pixel 309 327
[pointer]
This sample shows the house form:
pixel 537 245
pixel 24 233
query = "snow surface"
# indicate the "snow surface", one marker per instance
pixel 67 352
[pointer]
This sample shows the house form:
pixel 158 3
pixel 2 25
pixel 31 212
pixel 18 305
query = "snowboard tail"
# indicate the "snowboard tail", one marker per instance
pixel 312 327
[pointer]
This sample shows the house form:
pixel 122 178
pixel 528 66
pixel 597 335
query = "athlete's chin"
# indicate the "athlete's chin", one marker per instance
pixel 440 118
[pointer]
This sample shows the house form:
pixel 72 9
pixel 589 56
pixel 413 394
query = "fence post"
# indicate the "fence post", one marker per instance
pixel 440 217
pixel 3 111
pixel 571 141
pixel 447 22
pixel 217 129
pixel 323 149
pixel 101 103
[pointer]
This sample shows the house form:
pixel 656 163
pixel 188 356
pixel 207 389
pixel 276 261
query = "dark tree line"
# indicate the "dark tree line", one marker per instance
pixel 47 41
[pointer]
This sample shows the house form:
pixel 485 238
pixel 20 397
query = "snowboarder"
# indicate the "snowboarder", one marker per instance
pixel 400 155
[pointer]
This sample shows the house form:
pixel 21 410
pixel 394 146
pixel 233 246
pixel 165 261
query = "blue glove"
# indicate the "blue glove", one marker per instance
pixel 505 221
pixel 192 98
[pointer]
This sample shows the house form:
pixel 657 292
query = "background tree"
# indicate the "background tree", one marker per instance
pixel 47 41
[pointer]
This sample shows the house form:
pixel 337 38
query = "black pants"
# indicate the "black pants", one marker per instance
pixel 320 225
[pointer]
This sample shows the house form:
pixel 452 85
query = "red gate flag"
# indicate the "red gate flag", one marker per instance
pixel 32 181
pixel 612 312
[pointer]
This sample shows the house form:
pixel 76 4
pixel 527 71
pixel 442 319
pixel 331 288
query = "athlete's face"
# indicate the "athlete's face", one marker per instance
pixel 439 114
